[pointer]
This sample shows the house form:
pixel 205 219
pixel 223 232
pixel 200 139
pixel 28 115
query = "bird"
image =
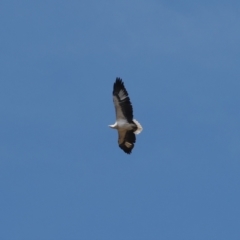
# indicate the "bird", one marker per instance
pixel 125 124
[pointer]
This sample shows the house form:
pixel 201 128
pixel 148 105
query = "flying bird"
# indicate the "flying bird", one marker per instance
pixel 126 126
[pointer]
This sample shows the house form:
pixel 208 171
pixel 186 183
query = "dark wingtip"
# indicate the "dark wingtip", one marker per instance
pixel 119 81
pixel 128 151
pixel 119 84
pixel 125 149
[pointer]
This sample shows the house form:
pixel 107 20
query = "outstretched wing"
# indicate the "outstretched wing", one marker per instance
pixel 122 101
pixel 126 140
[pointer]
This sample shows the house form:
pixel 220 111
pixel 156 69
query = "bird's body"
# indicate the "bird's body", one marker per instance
pixel 126 126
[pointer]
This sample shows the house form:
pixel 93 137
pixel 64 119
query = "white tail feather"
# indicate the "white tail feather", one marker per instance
pixel 139 127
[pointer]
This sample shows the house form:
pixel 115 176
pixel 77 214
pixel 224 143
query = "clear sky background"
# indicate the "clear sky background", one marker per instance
pixel 62 174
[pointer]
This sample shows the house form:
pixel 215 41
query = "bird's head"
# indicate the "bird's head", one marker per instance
pixel 113 125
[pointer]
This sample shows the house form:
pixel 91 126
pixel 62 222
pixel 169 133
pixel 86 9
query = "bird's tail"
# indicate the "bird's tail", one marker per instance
pixel 139 127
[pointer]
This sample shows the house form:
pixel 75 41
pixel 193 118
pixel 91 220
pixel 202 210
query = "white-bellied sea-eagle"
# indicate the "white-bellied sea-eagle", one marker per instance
pixel 126 126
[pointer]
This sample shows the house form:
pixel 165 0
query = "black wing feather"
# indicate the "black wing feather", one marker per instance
pixel 124 103
pixel 130 138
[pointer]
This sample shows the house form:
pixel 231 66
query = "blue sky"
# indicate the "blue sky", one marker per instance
pixel 62 174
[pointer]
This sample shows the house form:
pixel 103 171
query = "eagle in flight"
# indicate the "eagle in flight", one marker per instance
pixel 126 126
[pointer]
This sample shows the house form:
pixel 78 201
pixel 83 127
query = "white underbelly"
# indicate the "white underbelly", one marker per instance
pixel 122 123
